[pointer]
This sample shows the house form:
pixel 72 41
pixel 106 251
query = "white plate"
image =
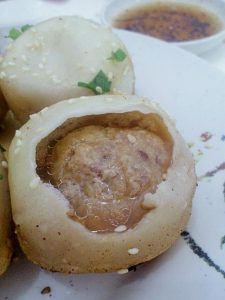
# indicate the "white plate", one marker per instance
pixel 194 94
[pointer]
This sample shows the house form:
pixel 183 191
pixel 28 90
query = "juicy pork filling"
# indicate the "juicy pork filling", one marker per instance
pixel 105 172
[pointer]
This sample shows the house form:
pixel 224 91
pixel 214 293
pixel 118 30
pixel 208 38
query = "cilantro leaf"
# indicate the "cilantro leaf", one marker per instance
pixel 1 177
pixel 118 55
pixel 99 85
pixel 2 149
pixel 14 33
pixel 25 27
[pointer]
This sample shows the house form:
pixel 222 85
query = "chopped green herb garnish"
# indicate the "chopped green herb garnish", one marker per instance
pixel 2 149
pixel 119 55
pixel 15 33
pixel 99 85
pixel 1 177
pixel 25 27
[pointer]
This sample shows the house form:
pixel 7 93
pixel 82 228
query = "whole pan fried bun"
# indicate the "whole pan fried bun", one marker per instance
pixel 5 219
pixel 46 63
pixel 72 214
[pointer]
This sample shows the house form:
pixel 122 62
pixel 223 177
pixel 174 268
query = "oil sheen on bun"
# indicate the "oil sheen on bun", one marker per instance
pixel 102 186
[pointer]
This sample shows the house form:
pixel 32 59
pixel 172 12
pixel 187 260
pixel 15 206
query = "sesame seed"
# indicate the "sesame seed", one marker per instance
pixel 4 65
pixel 35 74
pixel 164 176
pixel 33 30
pixel 11 63
pixel 93 70
pixel 44 59
pixel 118 92
pixel 114 44
pixel 24 58
pixel 25 68
pixel 39 129
pixel 17 150
pixel 37 44
pixel 49 72
pixel 33 116
pixel 110 75
pixel 70 101
pixel 122 271
pixel 132 139
pixel 4 164
pixel 34 182
pixel 125 71
pixel 109 100
pixel 133 251
pixel 2 75
pixel 99 89
pixel 44 110
pixel 13 76
pixel 19 143
pixel 18 133
pixel 120 228
pixel 79 66
pixel 1 59
pixel 55 79
pixel 41 66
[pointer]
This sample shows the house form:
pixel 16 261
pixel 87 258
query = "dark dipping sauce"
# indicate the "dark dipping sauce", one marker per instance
pixel 170 22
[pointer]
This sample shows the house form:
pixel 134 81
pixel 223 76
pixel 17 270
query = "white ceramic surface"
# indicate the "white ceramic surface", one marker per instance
pixel 217 7
pixel 193 93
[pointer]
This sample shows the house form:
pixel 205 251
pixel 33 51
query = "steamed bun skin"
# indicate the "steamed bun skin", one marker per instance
pixel 56 242
pixel 45 64
pixel 5 221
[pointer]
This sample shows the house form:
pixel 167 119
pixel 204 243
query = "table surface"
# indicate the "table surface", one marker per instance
pixel 13 12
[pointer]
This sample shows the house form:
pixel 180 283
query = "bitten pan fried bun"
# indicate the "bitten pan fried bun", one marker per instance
pixel 103 185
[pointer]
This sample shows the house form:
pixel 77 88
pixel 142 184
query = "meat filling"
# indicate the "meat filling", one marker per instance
pixel 104 172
